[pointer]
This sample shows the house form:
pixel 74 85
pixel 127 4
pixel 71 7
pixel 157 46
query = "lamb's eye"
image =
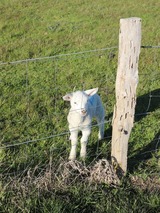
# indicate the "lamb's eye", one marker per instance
pixel 75 102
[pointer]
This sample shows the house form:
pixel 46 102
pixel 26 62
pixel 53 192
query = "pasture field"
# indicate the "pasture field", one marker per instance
pixel 49 48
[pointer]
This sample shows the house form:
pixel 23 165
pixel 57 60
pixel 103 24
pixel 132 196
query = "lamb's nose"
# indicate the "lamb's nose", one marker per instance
pixel 83 111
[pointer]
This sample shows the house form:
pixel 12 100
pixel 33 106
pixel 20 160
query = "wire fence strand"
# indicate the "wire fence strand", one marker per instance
pixel 58 56
pixel 69 54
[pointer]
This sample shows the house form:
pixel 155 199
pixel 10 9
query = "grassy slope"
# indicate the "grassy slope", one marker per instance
pixel 33 29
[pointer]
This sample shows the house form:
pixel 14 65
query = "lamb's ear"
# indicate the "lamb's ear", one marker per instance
pixel 67 97
pixel 91 92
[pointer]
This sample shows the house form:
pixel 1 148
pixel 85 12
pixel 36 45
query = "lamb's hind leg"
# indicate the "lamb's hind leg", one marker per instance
pixel 101 128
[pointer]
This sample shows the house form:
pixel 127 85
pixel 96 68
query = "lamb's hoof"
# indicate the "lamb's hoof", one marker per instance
pixel 100 137
pixel 83 157
pixel 72 158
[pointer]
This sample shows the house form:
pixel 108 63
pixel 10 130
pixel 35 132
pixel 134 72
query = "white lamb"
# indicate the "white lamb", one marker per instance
pixel 84 106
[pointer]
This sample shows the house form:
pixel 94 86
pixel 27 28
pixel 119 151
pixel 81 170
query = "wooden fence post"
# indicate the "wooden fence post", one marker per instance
pixel 126 84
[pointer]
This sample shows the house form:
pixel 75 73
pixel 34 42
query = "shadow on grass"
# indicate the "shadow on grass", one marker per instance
pixel 146 104
pixel 145 154
pixel 100 149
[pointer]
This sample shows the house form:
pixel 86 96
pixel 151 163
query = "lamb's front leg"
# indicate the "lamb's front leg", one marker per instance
pixel 74 139
pixel 85 134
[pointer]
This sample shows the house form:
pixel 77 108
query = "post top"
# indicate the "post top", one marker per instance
pixel 131 19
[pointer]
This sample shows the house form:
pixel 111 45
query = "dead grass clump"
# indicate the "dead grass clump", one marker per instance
pixel 72 171
pixel 150 184
pixel 101 172
pixel 51 178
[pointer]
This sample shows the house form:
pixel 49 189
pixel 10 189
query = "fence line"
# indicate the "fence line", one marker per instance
pixel 67 132
pixel 61 134
pixel 48 137
pixel 20 172
pixel 150 46
pixel 60 56
pixel 68 54
pixel 28 92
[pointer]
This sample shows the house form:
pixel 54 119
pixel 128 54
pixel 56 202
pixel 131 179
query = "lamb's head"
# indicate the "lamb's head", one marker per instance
pixel 79 100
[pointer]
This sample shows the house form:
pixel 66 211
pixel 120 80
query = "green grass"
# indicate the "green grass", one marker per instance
pixel 32 108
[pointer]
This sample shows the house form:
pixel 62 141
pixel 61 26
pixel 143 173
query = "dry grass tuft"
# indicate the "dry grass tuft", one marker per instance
pixel 72 171
pixel 150 184
pixel 63 176
pixel 101 172
pixel 52 178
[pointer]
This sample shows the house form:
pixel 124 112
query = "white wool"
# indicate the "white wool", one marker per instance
pixel 84 106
